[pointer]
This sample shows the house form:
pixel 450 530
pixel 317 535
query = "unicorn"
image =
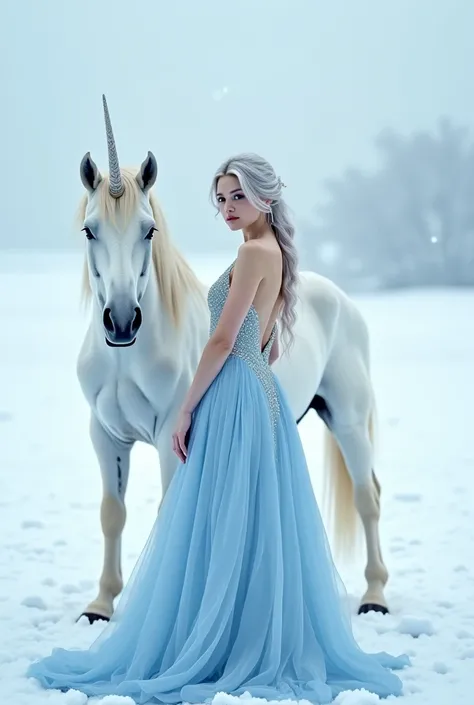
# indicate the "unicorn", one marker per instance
pixel 149 322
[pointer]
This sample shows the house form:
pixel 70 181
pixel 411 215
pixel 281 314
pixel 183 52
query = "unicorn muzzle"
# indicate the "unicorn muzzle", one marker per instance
pixel 121 324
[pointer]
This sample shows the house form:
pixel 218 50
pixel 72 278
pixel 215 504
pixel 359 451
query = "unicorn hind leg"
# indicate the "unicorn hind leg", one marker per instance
pixel 114 461
pixel 351 488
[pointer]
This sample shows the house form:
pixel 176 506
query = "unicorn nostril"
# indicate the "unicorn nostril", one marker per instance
pixel 137 321
pixel 107 319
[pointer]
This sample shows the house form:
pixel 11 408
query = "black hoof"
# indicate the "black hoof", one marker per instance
pixel 372 607
pixel 92 617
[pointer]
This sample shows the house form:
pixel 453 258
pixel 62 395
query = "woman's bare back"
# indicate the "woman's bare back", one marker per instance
pixel 267 301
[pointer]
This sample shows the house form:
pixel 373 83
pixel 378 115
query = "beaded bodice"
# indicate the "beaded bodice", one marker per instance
pixel 247 345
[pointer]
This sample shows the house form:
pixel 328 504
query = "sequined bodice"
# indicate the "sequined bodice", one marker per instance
pixel 247 345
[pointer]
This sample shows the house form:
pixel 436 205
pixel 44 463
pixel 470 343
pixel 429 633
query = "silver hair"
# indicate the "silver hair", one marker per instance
pixel 260 183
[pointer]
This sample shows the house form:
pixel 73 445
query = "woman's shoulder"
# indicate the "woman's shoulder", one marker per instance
pixel 260 254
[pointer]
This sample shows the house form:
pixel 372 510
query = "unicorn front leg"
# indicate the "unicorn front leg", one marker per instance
pixel 114 461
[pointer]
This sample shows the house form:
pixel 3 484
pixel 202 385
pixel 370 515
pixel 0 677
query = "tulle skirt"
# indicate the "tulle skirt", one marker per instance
pixel 235 590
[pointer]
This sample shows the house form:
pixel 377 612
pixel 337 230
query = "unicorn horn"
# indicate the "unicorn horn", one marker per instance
pixel 116 187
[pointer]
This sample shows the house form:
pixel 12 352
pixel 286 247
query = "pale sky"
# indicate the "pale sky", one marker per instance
pixel 306 83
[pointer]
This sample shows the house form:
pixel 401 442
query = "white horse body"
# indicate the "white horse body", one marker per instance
pixel 148 327
pixel 328 326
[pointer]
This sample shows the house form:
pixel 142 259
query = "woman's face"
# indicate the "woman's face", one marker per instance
pixel 234 207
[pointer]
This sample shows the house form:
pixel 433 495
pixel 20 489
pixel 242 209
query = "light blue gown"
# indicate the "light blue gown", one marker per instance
pixel 235 589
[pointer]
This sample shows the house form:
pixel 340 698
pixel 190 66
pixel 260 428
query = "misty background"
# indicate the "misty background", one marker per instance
pixel 365 108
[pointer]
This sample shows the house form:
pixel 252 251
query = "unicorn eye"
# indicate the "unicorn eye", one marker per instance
pixel 89 234
pixel 150 233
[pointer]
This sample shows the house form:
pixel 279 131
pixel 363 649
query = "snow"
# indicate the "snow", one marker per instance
pixel 50 489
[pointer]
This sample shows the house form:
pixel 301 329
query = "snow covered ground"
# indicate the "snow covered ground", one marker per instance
pixel 50 489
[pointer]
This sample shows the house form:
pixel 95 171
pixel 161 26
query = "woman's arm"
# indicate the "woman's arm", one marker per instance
pixel 247 274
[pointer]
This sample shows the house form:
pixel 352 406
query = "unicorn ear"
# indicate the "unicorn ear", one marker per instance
pixel 90 175
pixel 146 177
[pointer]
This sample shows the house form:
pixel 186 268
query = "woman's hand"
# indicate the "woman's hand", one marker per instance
pixel 182 427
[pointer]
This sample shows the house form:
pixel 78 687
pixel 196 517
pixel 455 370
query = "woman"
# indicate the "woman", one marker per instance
pixel 235 590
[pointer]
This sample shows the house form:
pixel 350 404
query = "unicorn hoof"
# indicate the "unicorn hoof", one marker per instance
pixel 94 617
pixel 372 607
